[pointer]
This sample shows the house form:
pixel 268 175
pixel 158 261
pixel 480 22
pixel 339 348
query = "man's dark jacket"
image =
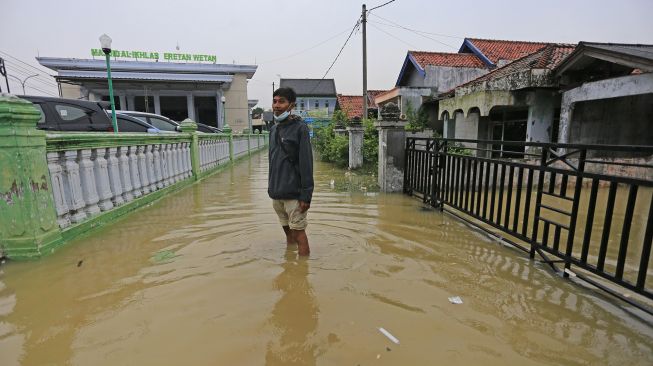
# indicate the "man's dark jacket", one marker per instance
pixel 291 161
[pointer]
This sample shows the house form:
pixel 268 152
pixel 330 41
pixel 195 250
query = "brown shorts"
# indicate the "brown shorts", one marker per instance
pixel 289 214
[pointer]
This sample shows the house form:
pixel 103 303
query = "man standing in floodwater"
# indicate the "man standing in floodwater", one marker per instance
pixel 290 178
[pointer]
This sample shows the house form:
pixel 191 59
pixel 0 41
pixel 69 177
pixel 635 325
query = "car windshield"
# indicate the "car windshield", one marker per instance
pixel 162 124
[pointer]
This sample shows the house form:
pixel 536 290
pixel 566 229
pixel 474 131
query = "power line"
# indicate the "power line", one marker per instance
pixel 358 22
pixel 416 32
pixel 394 24
pixel 397 38
pixel 382 5
pixel 306 49
pixel 17 67
pixel 23 62
pixel 23 72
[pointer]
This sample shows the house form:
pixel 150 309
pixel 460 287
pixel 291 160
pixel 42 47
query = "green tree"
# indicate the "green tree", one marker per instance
pixel 417 120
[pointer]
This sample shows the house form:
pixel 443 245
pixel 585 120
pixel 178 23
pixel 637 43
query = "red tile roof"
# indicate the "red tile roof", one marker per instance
pixel 446 59
pixel 352 105
pixel 371 96
pixel 547 58
pixel 496 50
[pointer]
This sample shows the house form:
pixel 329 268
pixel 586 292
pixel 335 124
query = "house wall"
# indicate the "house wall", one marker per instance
pixel 309 103
pixel 619 121
pixel 601 91
pixel 542 104
pixel 443 78
pixel 236 103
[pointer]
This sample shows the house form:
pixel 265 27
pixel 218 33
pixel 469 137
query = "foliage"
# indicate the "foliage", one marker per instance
pixel 459 149
pixel 339 118
pixel 370 143
pixel 334 148
pixel 416 120
pixel 257 112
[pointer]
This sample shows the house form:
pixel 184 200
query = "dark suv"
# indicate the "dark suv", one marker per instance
pixel 58 114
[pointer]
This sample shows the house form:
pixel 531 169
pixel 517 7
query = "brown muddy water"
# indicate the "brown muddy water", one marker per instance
pixel 203 277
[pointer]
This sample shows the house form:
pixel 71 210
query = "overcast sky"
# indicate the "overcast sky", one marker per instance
pixel 300 39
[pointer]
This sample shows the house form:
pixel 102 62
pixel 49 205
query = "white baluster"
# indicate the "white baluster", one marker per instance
pixel 125 176
pixel 157 165
pixel 73 187
pixel 113 168
pixel 101 172
pixel 149 161
pixel 202 148
pixel 174 172
pixel 165 172
pixel 142 169
pixel 180 161
pixel 58 189
pixel 134 172
pixel 88 183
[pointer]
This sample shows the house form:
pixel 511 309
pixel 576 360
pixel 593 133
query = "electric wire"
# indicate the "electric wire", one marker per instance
pixel 12 69
pixel 358 22
pixel 306 49
pixel 382 5
pixel 394 24
pixel 391 35
pixel 418 33
pixel 41 70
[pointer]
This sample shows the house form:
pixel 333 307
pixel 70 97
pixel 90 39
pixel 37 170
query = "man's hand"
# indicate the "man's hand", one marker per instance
pixel 304 206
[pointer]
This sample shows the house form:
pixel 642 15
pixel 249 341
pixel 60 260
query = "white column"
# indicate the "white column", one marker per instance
pixel 101 172
pixel 190 105
pixel 157 166
pixel 125 177
pixel 157 103
pixel 113 170
pixel 142 169
pixel 131 104
pixel 165 172
pixel 58 190
pixel 149 161
pixel 74 187
pixel 219 108
pixel 174 165
pixel 123 102
pixel 133 171
pixel 87 177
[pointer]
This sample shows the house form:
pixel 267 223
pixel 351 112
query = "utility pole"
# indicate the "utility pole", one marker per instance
pixel 22 82
pixel 3 72
pixel 273 87
pixel 364 21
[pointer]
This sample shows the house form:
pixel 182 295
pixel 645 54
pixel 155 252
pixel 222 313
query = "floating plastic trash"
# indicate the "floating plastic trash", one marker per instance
pixel 455 300
pixel 390 336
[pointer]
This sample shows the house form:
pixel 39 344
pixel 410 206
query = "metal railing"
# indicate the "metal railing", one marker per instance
pixel 590 206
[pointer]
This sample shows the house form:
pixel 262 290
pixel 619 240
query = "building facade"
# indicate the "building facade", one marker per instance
pixel 315 97
pixel 204 92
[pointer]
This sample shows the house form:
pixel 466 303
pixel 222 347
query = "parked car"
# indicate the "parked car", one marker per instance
pixel 59 114
pixel 131 124
pixel 166 124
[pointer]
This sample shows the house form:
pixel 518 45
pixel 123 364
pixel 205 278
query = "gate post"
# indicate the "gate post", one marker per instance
pixel 28 220
pixel 355 146
pixel 190 127
pixel 392 153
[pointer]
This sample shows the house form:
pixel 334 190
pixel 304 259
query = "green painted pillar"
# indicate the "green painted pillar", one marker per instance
pixel 28 220
pixel 189 126
pixel 226 129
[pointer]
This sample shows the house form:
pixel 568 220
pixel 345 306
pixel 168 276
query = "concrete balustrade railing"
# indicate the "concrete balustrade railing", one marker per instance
pixel 54 187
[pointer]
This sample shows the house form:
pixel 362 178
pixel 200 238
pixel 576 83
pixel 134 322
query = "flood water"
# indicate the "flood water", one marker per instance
pixel 203 277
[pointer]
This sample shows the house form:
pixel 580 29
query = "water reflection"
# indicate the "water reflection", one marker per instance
pixel 294 316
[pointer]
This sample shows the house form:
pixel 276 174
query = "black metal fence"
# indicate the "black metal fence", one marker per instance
pixel 590 206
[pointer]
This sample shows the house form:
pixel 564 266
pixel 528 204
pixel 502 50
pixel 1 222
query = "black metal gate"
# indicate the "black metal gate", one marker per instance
pixel 589 206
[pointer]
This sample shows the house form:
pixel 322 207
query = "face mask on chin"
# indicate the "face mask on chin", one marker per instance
pixel 282 117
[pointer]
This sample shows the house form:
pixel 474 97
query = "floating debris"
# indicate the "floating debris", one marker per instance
pixel 163 256
pixel 390 336
pixel 455 300
pixel 79 264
